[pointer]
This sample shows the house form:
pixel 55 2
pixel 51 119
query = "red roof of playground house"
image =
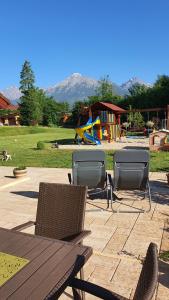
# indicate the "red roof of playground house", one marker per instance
pixel 6 104
pixel 107 106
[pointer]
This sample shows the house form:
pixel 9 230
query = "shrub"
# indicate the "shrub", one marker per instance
pixel 20 168
pixel 150 124
pixel 126 125
pixel 133 133
pixel 40 145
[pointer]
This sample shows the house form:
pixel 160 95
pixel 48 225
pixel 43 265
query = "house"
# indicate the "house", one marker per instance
pixel 8 112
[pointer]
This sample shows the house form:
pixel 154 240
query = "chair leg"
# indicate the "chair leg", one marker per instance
pixel 149 196
pixel 107 195
pixel 113 196
pixel 69 178
pixel 82 277
pixel 107 191
pixel 81 293
pixel 144 196
pixel 76 294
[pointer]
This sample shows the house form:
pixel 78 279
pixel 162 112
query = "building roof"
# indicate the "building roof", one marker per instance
pixel 107 106
pixel 6 104
pixel 12 107
pixel 5 99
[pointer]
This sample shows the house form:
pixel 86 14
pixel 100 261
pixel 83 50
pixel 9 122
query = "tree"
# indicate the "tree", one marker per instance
pixel 27 78
pixel 135 119
pixel 162 82
pixel 105 88
pixel 76 110
pixel 138 89
pixel 32 99
pixel 106 91
pixel 148 97
pixel 93 99
pixel 138 120
pixel 64 107
pixel 31 106
pixel 130 117
pixel 52 111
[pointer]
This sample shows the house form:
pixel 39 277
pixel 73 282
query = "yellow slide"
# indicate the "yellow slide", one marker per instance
pixel 81 131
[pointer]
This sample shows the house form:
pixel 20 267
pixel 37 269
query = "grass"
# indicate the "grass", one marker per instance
pixel 13 131
pixel 21 143
pixel 164 255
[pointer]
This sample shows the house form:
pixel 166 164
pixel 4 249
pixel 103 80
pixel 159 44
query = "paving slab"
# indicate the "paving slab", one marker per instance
pixel 119 239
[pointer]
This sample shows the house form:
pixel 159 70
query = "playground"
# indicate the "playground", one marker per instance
pixel 102 124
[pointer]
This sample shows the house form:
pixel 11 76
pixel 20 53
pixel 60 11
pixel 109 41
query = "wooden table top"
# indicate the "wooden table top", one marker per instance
pixel 50 265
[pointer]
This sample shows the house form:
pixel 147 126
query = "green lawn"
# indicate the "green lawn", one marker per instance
pixel 21 143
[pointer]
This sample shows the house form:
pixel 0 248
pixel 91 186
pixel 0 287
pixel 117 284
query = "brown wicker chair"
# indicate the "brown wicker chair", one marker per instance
pixel 145 287
pixel 60 212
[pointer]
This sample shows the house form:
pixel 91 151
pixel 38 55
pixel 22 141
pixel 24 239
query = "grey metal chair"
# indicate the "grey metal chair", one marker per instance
pixel 89 169
pixel 146 285
pixel 131 172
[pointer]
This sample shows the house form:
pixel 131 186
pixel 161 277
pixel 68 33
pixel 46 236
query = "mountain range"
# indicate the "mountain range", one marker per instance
pixel 73 88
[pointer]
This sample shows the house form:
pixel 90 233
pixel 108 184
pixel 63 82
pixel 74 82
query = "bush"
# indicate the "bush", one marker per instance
pixel 20 168
pixel 150 124
pixel 40 145
pixel 133 133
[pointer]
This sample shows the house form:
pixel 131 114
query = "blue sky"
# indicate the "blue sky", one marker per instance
pixel 122 38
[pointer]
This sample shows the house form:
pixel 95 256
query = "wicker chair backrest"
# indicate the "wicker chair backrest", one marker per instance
pixel 149 275
pixel 60 210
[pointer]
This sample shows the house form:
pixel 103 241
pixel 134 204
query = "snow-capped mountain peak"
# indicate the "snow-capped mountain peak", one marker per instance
pixel 76 75
pixel 75 87
pixel 132 81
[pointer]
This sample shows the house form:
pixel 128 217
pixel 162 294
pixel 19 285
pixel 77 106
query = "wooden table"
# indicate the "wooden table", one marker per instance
pixel 51 265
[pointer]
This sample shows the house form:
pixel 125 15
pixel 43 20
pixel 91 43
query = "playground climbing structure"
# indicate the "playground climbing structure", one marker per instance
pixel 103 123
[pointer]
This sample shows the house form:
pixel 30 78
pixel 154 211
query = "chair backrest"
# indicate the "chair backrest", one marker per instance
pixel 88 168
pixel 60 210
pixel 131 169
pixel 149 275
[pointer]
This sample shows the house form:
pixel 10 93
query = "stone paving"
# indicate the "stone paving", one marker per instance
pixel 119 239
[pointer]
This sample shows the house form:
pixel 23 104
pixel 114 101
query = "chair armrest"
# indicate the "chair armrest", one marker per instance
pixel 23 226
pixel 94 289
pixel 76 239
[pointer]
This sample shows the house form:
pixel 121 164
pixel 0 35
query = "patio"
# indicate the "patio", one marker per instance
pixel 119 240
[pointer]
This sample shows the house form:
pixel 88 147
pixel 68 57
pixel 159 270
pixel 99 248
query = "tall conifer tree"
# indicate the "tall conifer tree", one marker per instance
pixel 30 101
pixel 27 78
